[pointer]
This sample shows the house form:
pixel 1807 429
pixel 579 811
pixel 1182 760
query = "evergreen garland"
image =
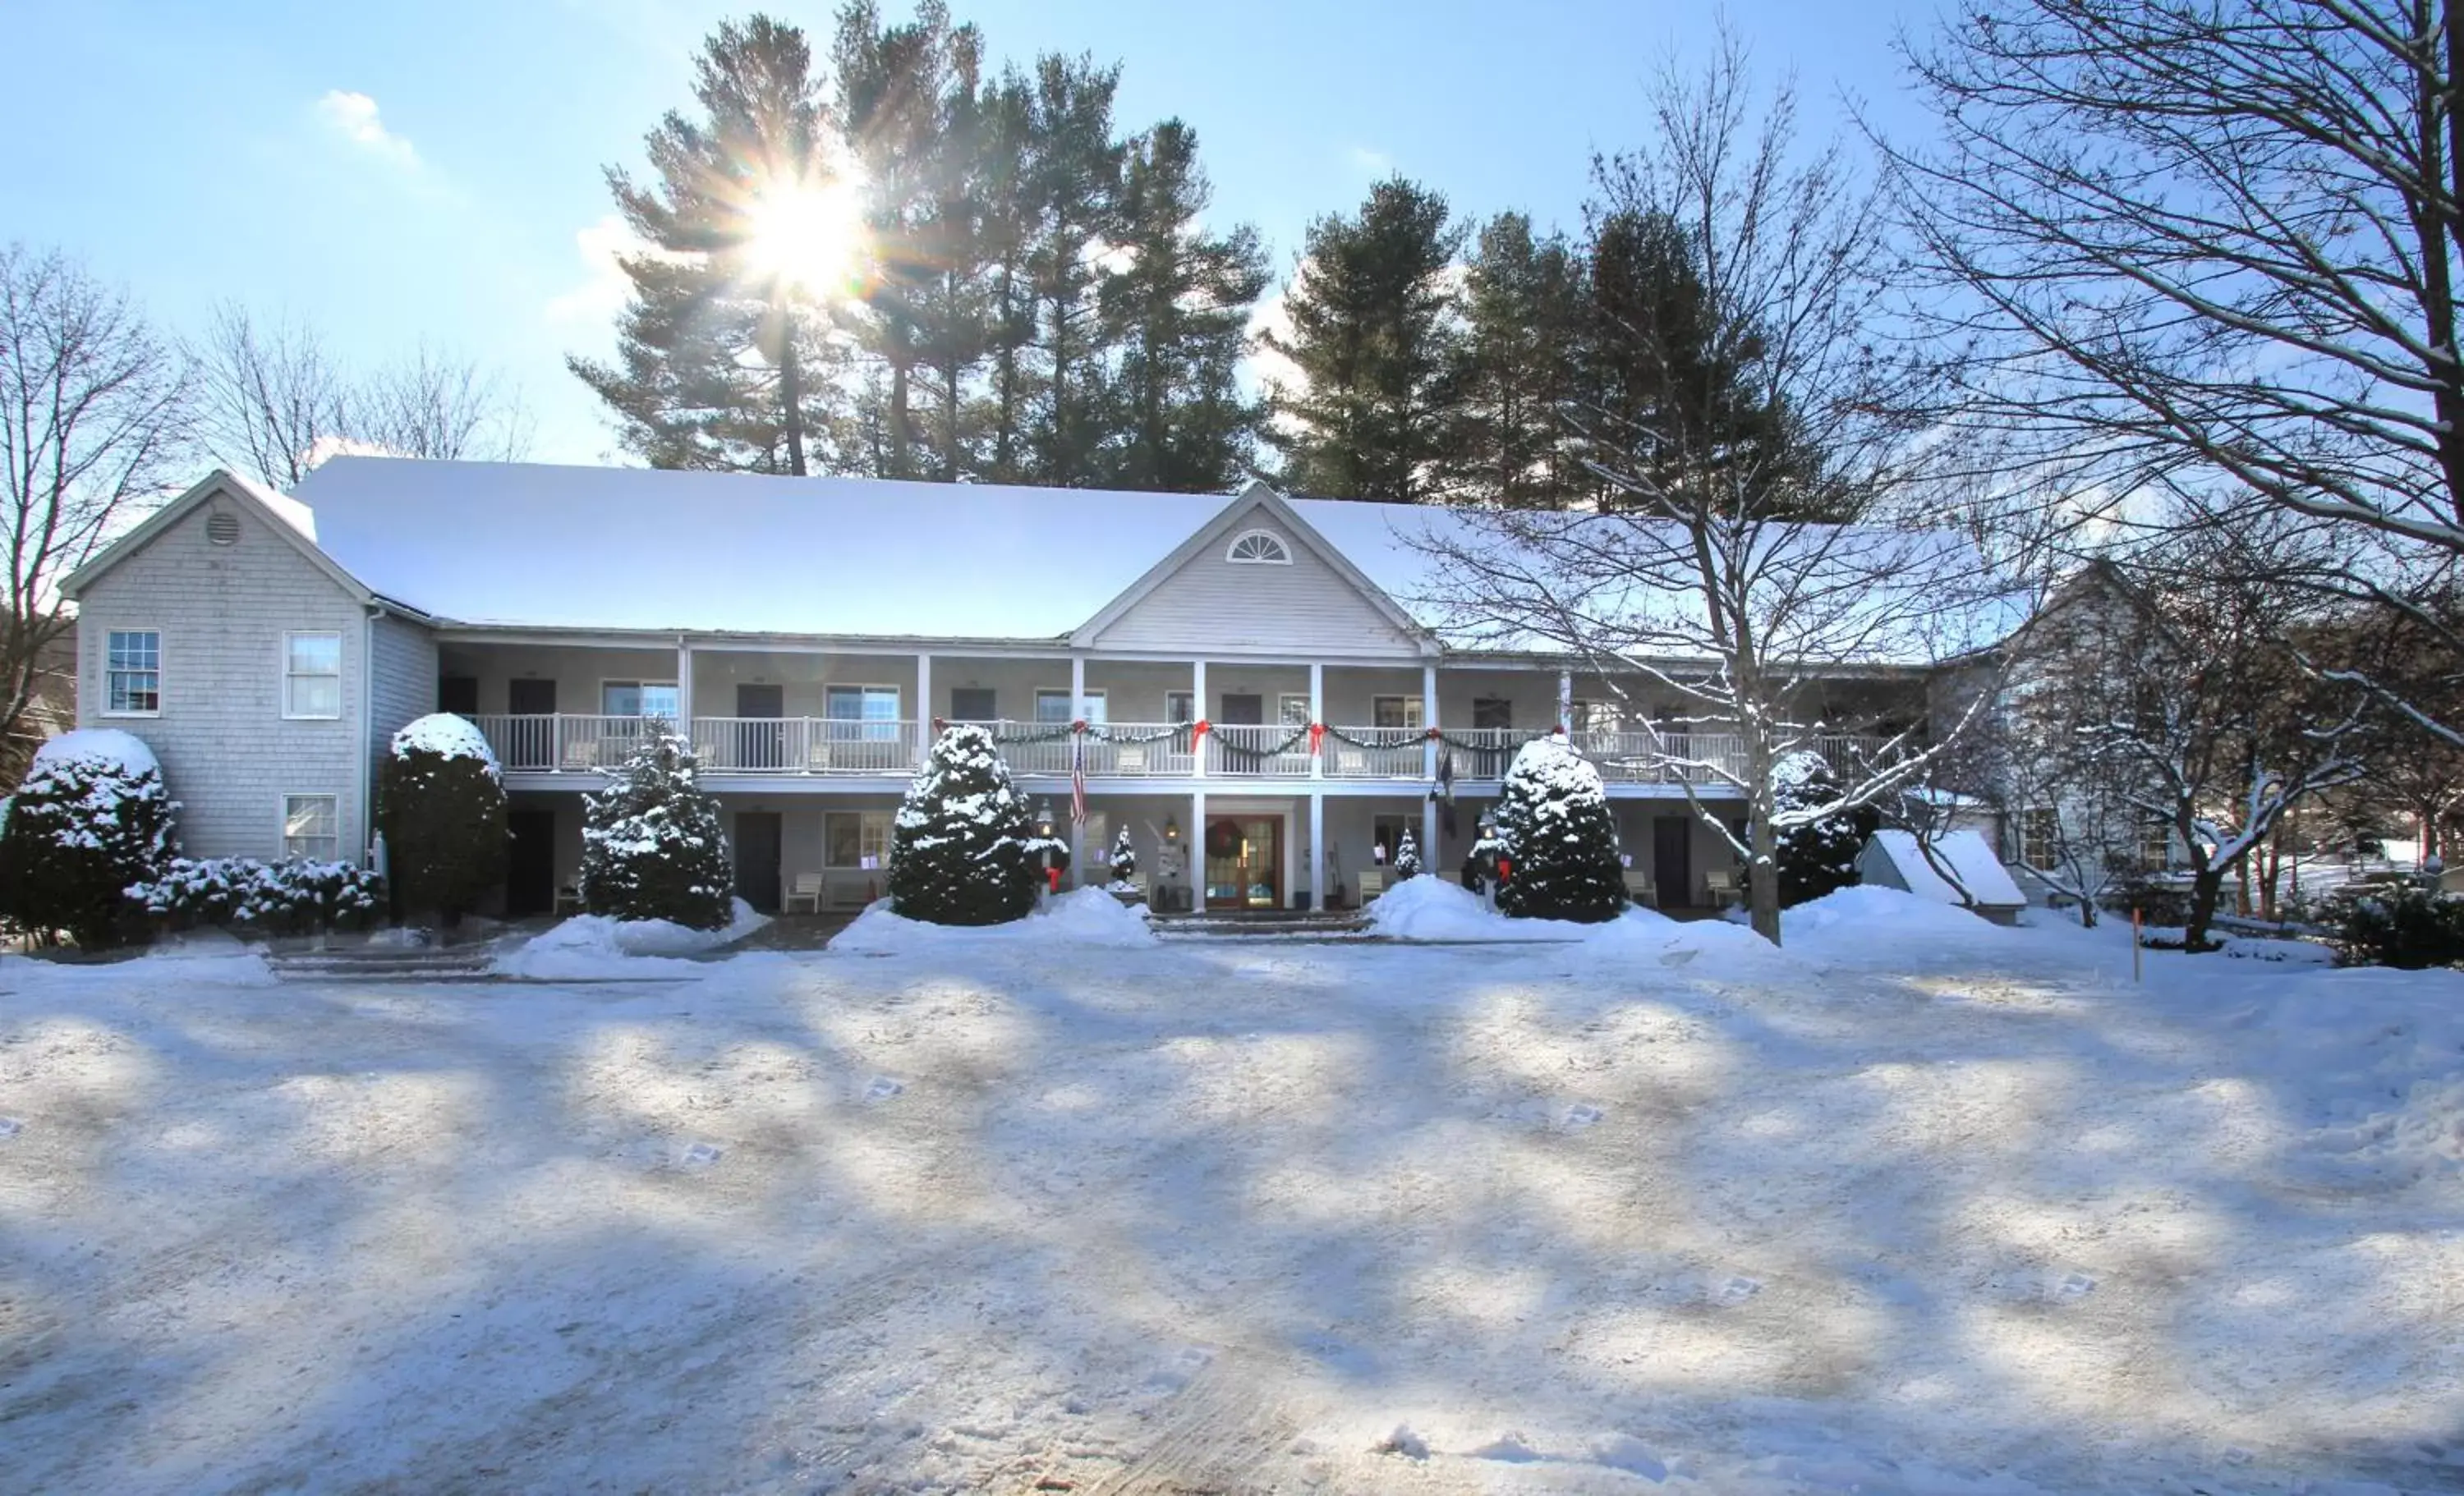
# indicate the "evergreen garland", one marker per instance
pixel 1558 838
pixel 958 850
pixel 652 843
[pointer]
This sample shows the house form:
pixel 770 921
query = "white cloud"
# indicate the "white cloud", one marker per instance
pixel 607 288
pixel 354 117
pixel 1375 162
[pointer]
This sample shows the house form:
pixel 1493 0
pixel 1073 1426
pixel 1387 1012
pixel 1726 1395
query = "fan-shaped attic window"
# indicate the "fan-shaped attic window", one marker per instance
pixel 1259 548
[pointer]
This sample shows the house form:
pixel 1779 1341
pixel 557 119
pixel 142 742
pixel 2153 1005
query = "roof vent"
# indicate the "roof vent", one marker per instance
pixel 222 527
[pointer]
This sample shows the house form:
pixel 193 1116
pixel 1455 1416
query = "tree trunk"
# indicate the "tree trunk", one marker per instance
pixel 1761 877
pixel 901 437
pixel 2207 886
pixel 791 399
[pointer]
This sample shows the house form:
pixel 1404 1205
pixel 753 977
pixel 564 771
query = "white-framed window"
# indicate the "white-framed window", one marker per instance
pixel 1258 548
pixel 2155 846
pixel 857 839
pixel 1595 716
pixel 2040 829
pixel 1395 712
pixel 133 673
pixel 860 714
pixel 657 699
pixel 1052 706
pixel 312 674
pixel 312 826
pixel 1180 706
pixel 1293 707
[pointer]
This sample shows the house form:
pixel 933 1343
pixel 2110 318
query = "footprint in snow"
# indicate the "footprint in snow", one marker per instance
pixel 701 1155
pixel 9 1127
pixel 1739 1288
pixel 2077 1285
pixel 883 1088
pixel 1581 1115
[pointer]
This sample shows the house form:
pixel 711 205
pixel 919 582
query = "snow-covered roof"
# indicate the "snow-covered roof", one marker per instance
pixel 1965 853
pixel 630 548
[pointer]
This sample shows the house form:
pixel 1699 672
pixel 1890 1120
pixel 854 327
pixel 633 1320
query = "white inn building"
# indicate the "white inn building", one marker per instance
pixel 811 632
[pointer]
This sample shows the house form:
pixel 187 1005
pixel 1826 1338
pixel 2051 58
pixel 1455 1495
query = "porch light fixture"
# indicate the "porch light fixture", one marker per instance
pixel 1171 832
pixel 1043 819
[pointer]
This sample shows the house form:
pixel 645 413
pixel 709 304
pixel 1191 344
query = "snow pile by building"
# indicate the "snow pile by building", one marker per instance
pixel 1431 909
pixel 588 946
pixel 207 958
pixel 1883 920
pixel 1082 916
pixel 1893 860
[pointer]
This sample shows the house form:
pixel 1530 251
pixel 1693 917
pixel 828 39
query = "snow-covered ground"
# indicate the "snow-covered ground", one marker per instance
pixel 1919 1205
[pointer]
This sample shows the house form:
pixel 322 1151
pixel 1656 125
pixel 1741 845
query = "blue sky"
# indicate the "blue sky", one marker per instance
pixel 393 172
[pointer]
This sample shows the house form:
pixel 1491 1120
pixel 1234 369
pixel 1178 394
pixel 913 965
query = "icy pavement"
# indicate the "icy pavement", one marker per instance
pixel 1912 1207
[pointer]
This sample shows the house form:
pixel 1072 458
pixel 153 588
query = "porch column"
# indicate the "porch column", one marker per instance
pixel 684 688
pixel 1317 714
pixel 923 708
pixel 1077 747
pixel 1566 701
pixel 1194 847
pixel 1317 850
pixel 1197 706
pixel 1429 856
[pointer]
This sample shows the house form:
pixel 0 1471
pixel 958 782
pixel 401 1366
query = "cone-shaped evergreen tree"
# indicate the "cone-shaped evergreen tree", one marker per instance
pixel 90 821
pixel 1559 840
pixel 441 801
pixel 1125 858
pixel 652 846
pixel 1407 857
pixel 958 851
pixel 1820 856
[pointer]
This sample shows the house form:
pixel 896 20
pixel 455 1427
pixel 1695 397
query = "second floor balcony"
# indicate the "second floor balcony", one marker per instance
pixel 823 748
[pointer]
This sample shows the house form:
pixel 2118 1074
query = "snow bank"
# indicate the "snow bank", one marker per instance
pixel 207 958
pixel 1874 919
pixel 1967 854
pixel 590 946
pixel 1432 909
pixel 1082 916
pixel 100 747
pixel 447 735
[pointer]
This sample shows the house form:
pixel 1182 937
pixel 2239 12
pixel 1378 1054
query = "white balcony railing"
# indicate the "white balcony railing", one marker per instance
pixel 803 745
pixel 1160 750
pixel 1245 752
pixel 564 742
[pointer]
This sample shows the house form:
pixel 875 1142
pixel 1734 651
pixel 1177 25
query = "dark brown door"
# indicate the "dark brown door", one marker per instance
pixel 1243 711
pixel 458 694
pixel 757 859
pixel 530 863
pixel 753 742
pixel 1672 861
pixel 531 738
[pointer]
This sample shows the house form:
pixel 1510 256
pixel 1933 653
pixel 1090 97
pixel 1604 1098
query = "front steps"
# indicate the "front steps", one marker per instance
pixel 381 963
pixel 1275 924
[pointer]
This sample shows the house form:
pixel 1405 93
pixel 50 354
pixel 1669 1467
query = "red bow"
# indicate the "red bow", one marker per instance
pixel 1317 736
pixel 1197 729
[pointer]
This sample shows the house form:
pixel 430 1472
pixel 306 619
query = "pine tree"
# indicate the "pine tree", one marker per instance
pixel 90 821
pixel 651 845
pixel 1517 370
pixel 1559 838
pixel 441 801
pixel 1371 341
pixel 1178 310
pixel 1820 856
pixel 723 361
pixel 1071 184
pixel 958 850
pixel 1407 857
pixel 1125 857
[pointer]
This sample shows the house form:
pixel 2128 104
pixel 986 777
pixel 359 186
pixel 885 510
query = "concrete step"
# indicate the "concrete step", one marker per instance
pixel 381 963
pixel 1262 926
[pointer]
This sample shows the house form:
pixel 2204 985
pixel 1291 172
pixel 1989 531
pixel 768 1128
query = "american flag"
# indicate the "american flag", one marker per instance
pixel 1077 781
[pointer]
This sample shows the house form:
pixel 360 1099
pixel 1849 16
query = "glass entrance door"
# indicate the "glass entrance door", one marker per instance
pixel 1245 863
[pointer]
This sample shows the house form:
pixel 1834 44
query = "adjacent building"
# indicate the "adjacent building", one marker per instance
pixel 1246 682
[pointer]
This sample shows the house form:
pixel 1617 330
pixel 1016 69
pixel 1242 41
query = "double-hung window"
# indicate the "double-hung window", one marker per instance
pixel 1052 708
pixel 1394 712
pixel 860 714
pixel 1294 708
pixel 312 826
pixel 133 673
pixel 2040 829
pixel 312 675
pixel 856 838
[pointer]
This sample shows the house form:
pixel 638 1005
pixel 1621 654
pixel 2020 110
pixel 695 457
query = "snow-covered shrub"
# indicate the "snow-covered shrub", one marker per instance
pixel 1125 858
pixel 1407 857
pixel 651 845
pixel 1559 840
pixel 294 896
pixel 441 801
pixel 958 850
pixel 90 819
pixel 1817 857
pixel 2411 928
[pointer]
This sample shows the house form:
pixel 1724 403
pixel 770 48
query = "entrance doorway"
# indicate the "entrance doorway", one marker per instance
pixel 530 863
pixel 756 743
pixel 1672 861
pixel 1244 861
pixel 756 858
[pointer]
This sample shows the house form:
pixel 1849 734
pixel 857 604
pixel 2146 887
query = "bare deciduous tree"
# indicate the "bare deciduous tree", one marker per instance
pixel 2209 249
pixel 94 422
pixel 1762 536
pixel 434 406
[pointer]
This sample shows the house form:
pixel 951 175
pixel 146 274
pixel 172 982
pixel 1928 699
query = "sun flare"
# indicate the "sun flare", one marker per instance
pixel 810 236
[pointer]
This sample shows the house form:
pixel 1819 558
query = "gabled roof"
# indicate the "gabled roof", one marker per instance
pixel 287 518
pixel 1255 501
